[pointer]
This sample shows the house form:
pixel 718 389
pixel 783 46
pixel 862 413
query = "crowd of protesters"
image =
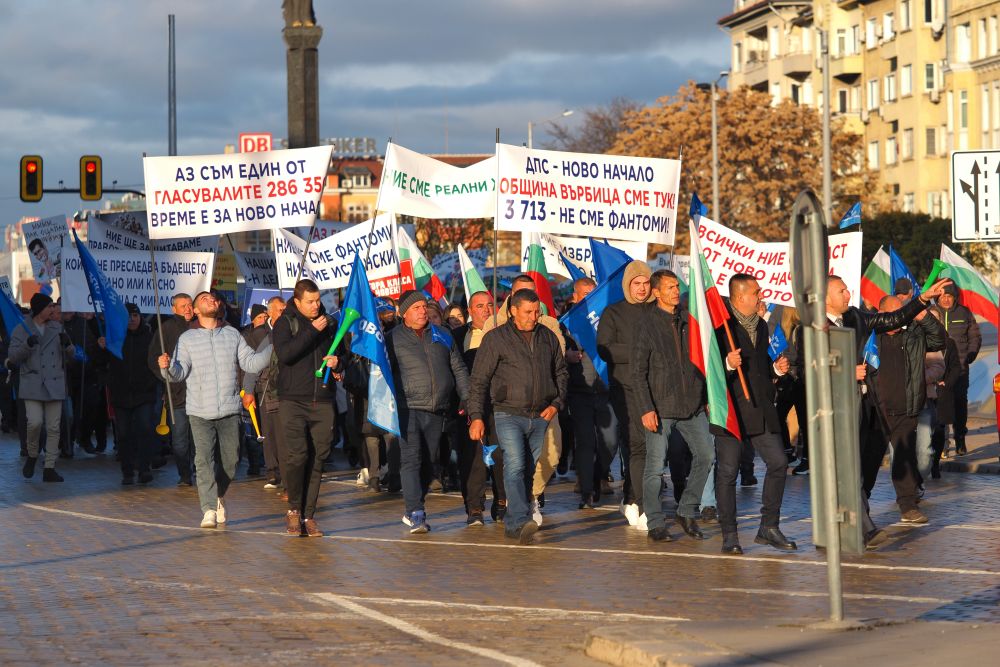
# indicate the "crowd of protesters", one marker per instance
pixel 491 402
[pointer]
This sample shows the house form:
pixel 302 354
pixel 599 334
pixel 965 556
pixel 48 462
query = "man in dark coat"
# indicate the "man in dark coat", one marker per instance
pixel 962 327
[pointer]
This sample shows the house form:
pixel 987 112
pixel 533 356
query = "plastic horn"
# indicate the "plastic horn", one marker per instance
pixel 935 270
pixel 162 428
pixel 253 418
pixel 349 317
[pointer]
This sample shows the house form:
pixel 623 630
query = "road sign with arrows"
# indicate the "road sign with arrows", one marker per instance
pixel 975 195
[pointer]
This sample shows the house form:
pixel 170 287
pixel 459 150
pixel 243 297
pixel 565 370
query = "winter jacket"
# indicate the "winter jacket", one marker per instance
pixel 918 338
pixel 299 355
pixel 425 371
pixel 520 380
pixel 663 377
pixel 257 338
pixel 962 327
pixel 758 414
pixel 547 321
pixel 42 367
pixel 172 328
pixel 583 376
pixel 130 381
pixel 952 373
pixel 208 361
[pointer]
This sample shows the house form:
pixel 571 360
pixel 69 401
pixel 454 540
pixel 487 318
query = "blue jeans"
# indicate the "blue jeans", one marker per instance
pixel 926 423
pixel 180 441
pixel 708 495
pixel 215 474
pixel 420 429
pixel 702 445
pixel 514 433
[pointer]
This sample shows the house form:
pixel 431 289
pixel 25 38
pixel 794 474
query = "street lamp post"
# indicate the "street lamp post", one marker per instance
pixel 532 123
pixel 715 147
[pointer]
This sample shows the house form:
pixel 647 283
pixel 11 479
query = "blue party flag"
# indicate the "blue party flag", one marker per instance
pixel 852 217
pixel 582 319
pixel 607 259
pixel 101 292
pixel 898 269
pixel 439 335
pixel 777 344
pixel 12 316
pixel 697 208
pixel 488 454
pixel 575 272
pixel 871 352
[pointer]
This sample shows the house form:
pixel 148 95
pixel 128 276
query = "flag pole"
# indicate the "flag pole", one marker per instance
pixel 159 326
pixel 496 251
pixel 739 369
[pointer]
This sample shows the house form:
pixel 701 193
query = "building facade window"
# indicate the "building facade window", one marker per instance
pixel 855 44
pixel 930 137
pixel 872 94
pixel 905 15
pixel 738 57
pixel 930 77
pixel 963 43
pixel 890 150
pixel 843 103
pixel 871 36
pixel 873 155
pixel 982 41
pixel 906 81
pixel 890 88
pixel 994 36
pixel 908 143
pixel 909 202
pixel 841 41
pixel 888 26
pixel 935 204
pixel 984 116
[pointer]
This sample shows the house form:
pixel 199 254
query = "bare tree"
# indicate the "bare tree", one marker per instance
pixel 599 130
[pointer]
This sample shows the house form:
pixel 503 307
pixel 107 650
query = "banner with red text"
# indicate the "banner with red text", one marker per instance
pixel 730 252
pixel 202 195
pixel 586 194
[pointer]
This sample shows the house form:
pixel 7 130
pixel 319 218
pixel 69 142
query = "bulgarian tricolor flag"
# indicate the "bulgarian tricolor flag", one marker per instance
pixel 535 267
pixel 978 295
pixel 706 312
pixel 470 276
pixel 877 279
pixel 415 271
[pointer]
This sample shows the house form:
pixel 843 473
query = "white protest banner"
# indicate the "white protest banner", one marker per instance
pixel 446 265
pixel 45 239
pixel 730 252
pixel 329 261
pixel 130 273
pixel 324 228
pixel 679 264
pixel 577 250
pixel 200 195
pixel 584 194
pixel 417 185
pixel 259 269
pixel 127 231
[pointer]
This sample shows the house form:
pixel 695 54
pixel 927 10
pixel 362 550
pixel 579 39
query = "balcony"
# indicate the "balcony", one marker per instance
pixel 797 65
pixel 755 70
pixel 846 68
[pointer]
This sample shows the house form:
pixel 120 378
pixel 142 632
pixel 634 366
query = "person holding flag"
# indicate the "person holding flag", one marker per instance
pixel 669 393
pixel 40 348
pixel 962 327
pixel 306 411
pixel 757 417
pixel 428 367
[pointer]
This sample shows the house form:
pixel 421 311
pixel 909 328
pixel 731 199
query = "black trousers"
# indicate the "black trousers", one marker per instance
pixel 632 443
pixel 593 427
pixel 961 408
pixel 274 438
pixel 727 464
pixel 873 445
pixel 304 460
pixel 792 395
pixel 472 471
pixel 903 437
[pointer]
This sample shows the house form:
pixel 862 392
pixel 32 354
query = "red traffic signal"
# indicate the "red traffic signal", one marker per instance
pixel 31 178
pixel 91 188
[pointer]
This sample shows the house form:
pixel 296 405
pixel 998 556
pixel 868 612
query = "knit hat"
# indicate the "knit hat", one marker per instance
pixel 257 309
pixel 39 302
pixel 409 298
pixel 950 288
pixel 902 286
pixel 633 270
pixel 132 309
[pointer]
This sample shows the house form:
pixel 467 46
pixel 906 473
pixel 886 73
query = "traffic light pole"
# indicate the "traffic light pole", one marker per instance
pixel 70 191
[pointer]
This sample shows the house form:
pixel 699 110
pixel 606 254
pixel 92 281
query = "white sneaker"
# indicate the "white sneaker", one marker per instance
pixel 640 523
pixel 536 512
pixel 362 479
pixel 383 471
pixel 631 513
pixel 208 521
pixel 220 511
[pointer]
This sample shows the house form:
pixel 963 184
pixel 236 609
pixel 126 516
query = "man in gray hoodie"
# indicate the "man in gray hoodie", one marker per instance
pixel 207 358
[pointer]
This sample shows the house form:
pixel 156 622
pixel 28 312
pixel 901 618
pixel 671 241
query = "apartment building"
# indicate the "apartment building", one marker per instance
pixel 916 78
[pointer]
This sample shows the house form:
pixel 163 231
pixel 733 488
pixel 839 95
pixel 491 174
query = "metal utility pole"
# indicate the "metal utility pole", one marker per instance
pixel 824 39
pixel 171 89
pixel 715 148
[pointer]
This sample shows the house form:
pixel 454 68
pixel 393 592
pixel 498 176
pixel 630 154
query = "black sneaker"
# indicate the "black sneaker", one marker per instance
pixel 128 479
pixel 659 534
pixel 709 515
pixel 498 510
pixel 145 477
pixel 29 467
pixel 802 468
pixel 50 475
pixel 88 447
pixel 475 519
pixel 184 481
pixel 749 480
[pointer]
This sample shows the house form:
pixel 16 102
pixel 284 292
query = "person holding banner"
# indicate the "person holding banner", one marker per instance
pixel 260 391
pixel 615 333
pixel 133 392
pixel 758 418
pixel 427 368
pixel 207 358
pixel 669 394
pixel 41 349
pixel 521 368
pixel 306 411
pixel 180 430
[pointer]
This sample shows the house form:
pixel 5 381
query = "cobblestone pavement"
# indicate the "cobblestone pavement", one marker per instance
pixel 95 573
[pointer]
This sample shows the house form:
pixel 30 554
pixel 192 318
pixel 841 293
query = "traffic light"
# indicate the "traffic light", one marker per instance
pixel 31 178
pixel 90 178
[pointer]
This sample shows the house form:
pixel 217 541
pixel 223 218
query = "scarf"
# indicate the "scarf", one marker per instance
pixel 748 322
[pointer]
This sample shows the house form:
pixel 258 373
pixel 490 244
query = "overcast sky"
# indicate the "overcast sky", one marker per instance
pixel 90 76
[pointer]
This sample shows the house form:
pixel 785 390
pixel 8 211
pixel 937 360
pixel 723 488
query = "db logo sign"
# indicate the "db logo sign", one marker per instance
pixel 255 142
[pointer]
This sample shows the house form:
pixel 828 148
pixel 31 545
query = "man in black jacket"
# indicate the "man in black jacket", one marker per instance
pixel 901 394
pixel 756 415
pixel 180 431
pixel 521 368
pixel 669 393
pixel 260 392
pixel 615 334
pixel 133 391
pixel 962 327
pixel 302 337
pixel 427 367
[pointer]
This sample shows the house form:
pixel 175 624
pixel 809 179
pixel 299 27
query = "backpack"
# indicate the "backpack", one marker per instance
pixel 271 386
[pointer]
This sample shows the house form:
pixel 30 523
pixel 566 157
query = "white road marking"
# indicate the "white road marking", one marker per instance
pixel 549 612
pixel 969 526
pixel 774 560
pixel 418 632
pixel 849 596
